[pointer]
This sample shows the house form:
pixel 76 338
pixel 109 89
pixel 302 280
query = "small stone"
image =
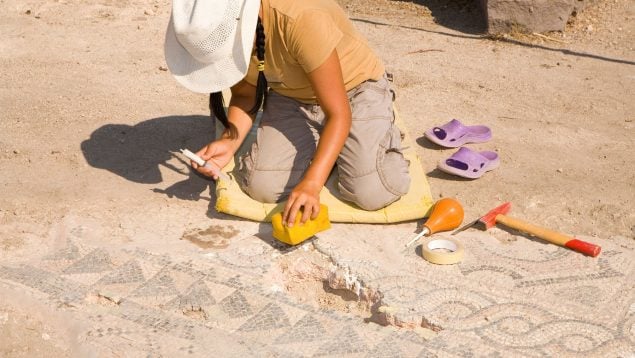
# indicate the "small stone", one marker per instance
pixel 589 28
pixel 149 12
pixel 559 170
pixel 163 68
pixel 45 336
pixel 28 12
pixel 15 151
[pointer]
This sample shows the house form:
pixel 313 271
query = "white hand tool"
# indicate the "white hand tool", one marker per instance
pixel 198 160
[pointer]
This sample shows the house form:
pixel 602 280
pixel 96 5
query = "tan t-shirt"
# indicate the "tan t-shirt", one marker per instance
pixel 299 37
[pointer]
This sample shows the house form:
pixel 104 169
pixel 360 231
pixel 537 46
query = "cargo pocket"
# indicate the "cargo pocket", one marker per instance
pixel 371 100
pixel 392 166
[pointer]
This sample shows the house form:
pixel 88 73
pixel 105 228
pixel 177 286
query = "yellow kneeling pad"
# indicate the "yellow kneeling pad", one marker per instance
pixel 230 199
pixel 298 233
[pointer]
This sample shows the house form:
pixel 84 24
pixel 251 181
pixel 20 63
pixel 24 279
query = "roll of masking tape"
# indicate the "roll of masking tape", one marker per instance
pixel 431 250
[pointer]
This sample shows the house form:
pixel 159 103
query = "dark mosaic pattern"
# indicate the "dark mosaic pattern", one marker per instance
pixel 307 329
pixel 161 284
pixel 196 297
pixel 130 272
pixel 52 284
pixel 270 317
pixel 95 262
pixel 236 305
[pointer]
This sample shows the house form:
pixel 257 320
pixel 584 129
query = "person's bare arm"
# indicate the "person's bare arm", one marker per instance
pixel 328 84
pixel 243 99
pixel 219 152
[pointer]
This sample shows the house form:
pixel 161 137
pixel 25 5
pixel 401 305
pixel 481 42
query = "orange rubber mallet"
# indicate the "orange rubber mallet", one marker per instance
pixel 447 214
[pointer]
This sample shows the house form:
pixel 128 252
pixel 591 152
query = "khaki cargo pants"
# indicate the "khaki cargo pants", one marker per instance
pixel 372 170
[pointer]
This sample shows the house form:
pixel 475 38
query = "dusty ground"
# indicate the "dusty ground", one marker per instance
pixel 90 117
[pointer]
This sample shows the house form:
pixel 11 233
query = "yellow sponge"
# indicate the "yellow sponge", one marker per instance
pixel 298 233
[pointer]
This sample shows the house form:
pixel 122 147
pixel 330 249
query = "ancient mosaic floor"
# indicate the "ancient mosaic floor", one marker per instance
pixel 507 298
pixel 511 296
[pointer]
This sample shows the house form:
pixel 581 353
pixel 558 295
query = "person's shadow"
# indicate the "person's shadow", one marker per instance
pixel 137 152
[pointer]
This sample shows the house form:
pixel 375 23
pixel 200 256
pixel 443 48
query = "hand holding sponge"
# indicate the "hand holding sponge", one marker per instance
pixel 298 233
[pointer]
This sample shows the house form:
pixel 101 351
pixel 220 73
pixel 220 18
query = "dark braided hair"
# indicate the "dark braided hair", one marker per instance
pixel 216 101
pixel 261 85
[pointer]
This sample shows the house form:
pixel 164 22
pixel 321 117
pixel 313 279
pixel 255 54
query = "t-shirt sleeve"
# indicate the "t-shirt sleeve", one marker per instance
pixel 313 37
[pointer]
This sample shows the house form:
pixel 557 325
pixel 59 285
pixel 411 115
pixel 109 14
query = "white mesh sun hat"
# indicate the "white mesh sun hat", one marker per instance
pixel 208 43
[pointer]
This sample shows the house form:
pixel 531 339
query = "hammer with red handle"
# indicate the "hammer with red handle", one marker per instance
pixel 498 216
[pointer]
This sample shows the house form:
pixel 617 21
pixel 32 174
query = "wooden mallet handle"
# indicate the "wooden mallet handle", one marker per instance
pixel 550 235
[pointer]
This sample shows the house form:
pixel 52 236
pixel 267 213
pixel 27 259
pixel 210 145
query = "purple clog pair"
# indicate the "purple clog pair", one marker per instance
pixel 465 162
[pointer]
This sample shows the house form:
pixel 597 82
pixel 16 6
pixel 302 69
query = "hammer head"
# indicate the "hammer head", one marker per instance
pixel 489 219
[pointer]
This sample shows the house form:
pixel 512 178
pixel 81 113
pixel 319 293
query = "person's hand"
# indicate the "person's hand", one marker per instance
pixel 217 153
pixel 305 195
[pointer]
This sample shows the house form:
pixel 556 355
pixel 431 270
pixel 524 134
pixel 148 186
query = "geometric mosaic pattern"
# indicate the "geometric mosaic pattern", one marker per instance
pixel 270 317
pixel 196 297
pixel 174 306
pixel 549 302
pixel 236 305
pixel 95 262
pixel 160 284
pixel 130 272
pixel 307 329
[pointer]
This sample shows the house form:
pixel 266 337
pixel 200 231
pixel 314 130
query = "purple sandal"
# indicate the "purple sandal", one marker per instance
pixel 470 164
pixel 454 134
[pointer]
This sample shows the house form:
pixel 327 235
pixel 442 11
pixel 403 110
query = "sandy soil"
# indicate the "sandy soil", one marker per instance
pixel 90 119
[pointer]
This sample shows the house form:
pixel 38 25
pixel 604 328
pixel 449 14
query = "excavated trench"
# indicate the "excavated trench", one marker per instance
pixel 313 278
